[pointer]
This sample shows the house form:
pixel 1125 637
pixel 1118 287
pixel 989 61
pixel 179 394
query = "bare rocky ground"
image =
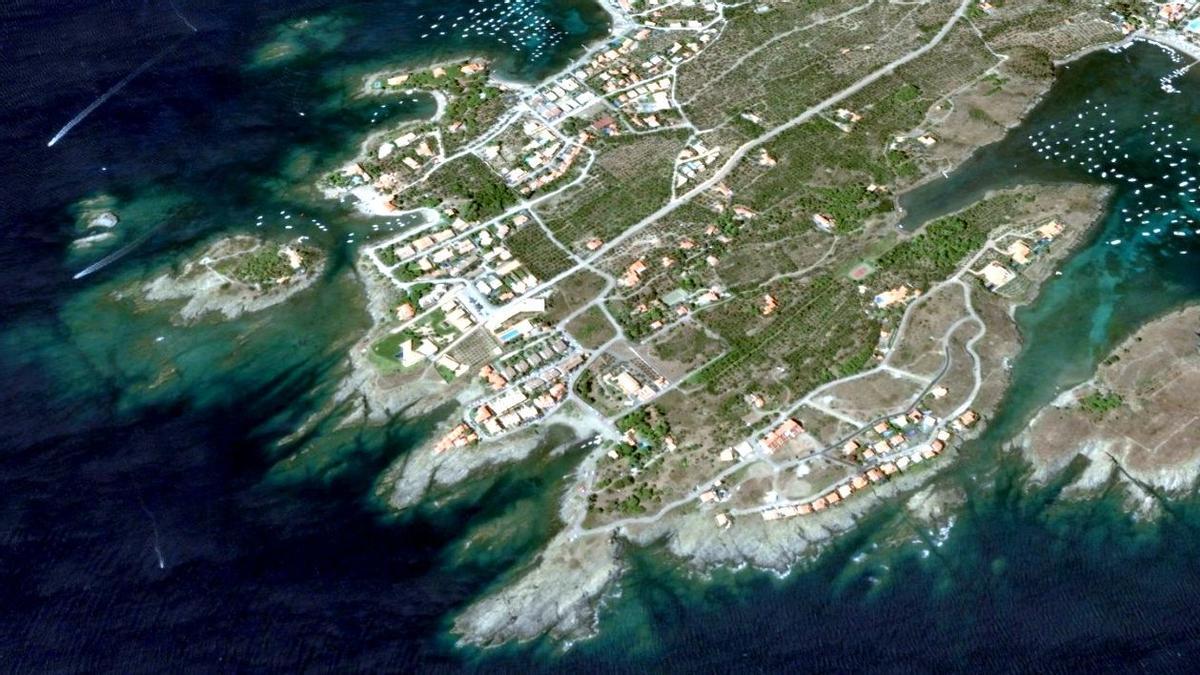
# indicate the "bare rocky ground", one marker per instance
pixel 1150 440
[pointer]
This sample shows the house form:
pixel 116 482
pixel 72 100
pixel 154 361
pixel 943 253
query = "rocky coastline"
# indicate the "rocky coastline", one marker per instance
pixel 575 592
pixel 560 592
pixel 1131 425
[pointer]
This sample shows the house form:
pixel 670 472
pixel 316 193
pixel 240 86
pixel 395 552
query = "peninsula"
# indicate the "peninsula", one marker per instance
pixel 684 246
pixel 1133 424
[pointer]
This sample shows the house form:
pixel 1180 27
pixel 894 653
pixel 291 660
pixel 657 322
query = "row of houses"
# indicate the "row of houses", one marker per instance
pixel 772 441
pixel 423 239
pixel 777 437
pixel 438 330
pixel 414 151
pixel 532 155
pixel 855 483
pixel 533 398
pixel 556 167
pixel 563 97
pixel 887 453
pixel 893 458
pixel 460 436
pixel 636 387
pixel 615 73
pixel 610 73
pixel 456 315
pixel 888 436
pixel 677 14
pixel 528 359
pixel 652 97
pixel 474 253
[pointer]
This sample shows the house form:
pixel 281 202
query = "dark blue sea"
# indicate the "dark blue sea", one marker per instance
pixel 155 515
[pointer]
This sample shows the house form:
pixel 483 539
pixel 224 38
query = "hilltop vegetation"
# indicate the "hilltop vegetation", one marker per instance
pixel 270 264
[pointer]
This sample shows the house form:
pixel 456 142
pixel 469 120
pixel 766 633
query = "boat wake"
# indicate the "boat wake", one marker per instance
pixel 113 90
pixel 162 563
pixel 182 17
pixel 115 255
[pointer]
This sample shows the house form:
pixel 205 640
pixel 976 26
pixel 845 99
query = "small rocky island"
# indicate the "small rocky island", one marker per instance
pixel 237 275
pixel 95 220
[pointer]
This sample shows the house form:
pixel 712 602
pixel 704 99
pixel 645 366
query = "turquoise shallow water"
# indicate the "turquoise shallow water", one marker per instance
pixel 153 520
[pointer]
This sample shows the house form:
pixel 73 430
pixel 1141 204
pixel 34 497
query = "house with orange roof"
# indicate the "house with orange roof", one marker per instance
pixel 777 437
pixel 1019 252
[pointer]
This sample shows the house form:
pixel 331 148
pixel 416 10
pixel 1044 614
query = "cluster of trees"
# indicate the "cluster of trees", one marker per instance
pixel 486 195
pixel 468 179
pixel 467 98
pixel 466 95
pixel 413 295
pixel 487 200
pixel 650 426
pixel 633 503
pixel 842 341
pixel 263 267
pixel 936 252
pixel 1031 62
pixel 1098 404
pixel 862 354
pixel 340 180
pixel 387 256
pixel 906 93
pixel 585 386
pixel 407 272
pixel 745 126
pixel 849 205
pixel 638 327
pixel 790 325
